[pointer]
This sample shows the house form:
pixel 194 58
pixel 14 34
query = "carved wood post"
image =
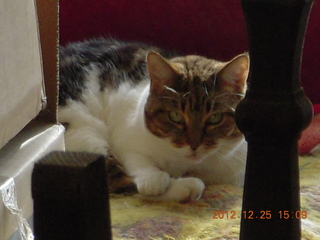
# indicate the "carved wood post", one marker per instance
pixel 272 116
pixel 71 200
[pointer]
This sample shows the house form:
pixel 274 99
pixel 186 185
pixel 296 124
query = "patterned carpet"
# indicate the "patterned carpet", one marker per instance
pixel 134 218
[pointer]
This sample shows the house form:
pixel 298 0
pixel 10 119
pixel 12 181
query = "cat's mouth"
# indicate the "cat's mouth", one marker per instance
pixel 195 157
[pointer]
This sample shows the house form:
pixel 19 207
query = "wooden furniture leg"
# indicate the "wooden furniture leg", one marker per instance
pixel 71 199
pixel 272 116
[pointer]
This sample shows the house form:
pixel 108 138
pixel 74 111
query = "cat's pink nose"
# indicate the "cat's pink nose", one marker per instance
pixel 194 145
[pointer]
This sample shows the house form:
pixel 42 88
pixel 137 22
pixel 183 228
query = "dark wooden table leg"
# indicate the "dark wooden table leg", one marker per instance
pixel 272 116
pixel 70 196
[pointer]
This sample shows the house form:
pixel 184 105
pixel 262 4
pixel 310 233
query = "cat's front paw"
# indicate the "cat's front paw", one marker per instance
pixel 183 189
pixel 153 184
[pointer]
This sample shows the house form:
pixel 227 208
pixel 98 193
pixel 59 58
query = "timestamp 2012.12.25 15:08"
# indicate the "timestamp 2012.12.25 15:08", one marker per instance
pixel 263 214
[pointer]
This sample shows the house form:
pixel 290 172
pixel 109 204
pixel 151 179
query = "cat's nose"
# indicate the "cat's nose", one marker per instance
pixel 194 145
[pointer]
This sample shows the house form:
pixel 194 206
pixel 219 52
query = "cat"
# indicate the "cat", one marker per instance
pixel 168 119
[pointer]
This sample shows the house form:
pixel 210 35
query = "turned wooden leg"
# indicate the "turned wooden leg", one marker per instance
pixel 272 116
pixel 70 196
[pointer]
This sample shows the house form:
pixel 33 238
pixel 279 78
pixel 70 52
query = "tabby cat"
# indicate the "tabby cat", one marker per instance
pixel 169 120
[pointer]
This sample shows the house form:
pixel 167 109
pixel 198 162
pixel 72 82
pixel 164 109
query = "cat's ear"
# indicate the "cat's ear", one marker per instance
pixel 160 70
pixel 233 76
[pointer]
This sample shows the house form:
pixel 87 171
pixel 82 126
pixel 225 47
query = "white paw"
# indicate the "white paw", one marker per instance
pixel 101 150
pixel 153 184
pixel 183 189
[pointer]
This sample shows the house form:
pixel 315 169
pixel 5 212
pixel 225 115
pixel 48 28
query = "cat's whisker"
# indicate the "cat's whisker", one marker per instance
pixel 228 106
pixel 215 80
pixel 166 97
pixel 225 94
pixel 186 94
pixel 171 89
pixel 206 90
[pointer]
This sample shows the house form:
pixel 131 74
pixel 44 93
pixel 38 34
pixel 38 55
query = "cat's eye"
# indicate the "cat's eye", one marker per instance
pixel 215 119
pixel 176 117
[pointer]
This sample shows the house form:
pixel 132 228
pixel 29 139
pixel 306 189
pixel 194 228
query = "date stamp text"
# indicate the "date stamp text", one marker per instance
pixel 264 214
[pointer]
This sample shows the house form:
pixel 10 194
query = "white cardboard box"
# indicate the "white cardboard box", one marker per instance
pixel 21 78
pixel 17 159
pixel 28 67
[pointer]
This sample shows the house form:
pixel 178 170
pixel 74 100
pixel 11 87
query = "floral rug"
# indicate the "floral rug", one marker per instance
pixel 215 216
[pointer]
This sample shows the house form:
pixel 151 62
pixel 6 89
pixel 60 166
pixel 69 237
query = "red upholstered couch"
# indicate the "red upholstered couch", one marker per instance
pixel 211 28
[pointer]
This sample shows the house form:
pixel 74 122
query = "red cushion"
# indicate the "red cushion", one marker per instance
pixel 310 137
pixel 188 26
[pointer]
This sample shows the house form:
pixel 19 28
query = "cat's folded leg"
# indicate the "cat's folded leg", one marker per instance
pixel 148 178
pixel 152 181
pixel 155 184
pixel 182 189
pixel 85 132
pixel 85 139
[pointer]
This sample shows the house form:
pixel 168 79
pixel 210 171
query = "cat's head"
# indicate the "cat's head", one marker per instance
pixel 192 100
